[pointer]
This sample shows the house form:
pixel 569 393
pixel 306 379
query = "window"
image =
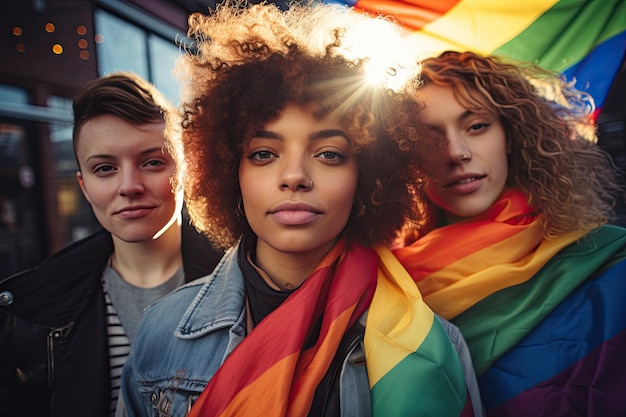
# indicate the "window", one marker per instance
pixel 123 46
pixel 21 234
pixel 75 217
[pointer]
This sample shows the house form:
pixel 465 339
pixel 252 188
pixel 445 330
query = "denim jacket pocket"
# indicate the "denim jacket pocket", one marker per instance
pixel 173 397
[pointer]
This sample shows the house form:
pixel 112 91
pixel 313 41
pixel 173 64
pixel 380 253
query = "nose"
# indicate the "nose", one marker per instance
pixel 458 150
pixel 131 183
pixel 295 176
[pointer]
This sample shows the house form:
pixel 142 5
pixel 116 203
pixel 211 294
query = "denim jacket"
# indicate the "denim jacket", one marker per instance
pixel 186 336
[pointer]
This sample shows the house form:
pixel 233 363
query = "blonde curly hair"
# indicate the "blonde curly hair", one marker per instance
pixel 554 159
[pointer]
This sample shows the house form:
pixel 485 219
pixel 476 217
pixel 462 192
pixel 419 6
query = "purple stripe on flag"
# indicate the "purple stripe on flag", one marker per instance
pixel 593 387
pixel 576 329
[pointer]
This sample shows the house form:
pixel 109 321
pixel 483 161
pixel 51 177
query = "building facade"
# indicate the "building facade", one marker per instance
pixel 49 49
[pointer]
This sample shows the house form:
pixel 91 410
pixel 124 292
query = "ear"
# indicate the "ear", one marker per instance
pixel 81 184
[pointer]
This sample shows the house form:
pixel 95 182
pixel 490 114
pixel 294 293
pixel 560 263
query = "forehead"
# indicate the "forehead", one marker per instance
pixel 443 102
pixel 112 132
pixel 300 119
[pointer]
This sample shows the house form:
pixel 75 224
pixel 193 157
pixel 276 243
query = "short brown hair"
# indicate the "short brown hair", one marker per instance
pixel 122 94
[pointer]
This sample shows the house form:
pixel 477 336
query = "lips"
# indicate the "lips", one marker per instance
pixel 463 184
pixel 295 214
pixel 133 212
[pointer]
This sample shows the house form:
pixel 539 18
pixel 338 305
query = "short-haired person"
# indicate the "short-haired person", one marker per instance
pixel 68 324
pixel 517 252
pixel 303 168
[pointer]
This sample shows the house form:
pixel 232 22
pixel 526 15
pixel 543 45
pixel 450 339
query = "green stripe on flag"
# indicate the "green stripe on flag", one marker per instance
pixel 400 393
pixel 495 324
pixel 565 33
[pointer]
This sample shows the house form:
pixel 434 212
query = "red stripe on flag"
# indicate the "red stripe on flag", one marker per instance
pixel 273 350
pixel 412 14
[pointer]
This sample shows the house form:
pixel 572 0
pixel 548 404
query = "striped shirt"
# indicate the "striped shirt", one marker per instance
pixel 119 348
pixel 125 304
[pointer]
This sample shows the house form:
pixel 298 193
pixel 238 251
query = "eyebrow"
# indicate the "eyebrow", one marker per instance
pixel 321 134
pixel 107 156
pixel 466 114
pixel 482 112
pixel 329 133
pixel 461 118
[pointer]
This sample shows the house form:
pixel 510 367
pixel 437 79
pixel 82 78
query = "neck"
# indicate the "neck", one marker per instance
pixel 148 264
pixel 287 270
pixel 451 218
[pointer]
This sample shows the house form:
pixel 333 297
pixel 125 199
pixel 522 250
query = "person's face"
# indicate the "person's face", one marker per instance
pixel 474 172
pixel 298 179
pixel 125 176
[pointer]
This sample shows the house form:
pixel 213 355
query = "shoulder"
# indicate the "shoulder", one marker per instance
pixel 175 303
pixel 67 276
pixel 91 250
pixel 605 233
pixel 203 298
pixel 453 332
pixel 201 310
pixel 607 242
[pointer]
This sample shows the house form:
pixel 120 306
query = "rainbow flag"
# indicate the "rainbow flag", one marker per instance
pixel 545 320
pixel 413 368
pixel 580 374
pixel 583 39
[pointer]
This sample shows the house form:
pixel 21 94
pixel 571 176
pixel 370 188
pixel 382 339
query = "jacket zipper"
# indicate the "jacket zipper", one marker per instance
pixel 56 339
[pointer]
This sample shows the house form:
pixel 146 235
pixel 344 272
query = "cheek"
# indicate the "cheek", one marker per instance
pixel 436 196
pixel 343 194
pixel 91 190
pixel 97 196
pixel 252 192
pixel 432 190
pixel 504 166
pixel 166 190
pixel 344 204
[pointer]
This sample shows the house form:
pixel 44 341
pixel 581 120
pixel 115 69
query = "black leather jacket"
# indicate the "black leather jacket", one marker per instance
pixel 54 357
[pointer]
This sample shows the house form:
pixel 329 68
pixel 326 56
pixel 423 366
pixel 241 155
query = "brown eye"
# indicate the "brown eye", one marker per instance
pixel 331 157
pixel 477 127
pixel 260 155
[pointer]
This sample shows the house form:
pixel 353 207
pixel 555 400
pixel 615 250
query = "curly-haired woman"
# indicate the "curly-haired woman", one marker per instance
pixel 288 156
pixel 517 252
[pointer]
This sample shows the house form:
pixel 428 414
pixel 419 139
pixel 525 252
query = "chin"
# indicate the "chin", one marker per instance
pixel 136 237
pixel 472 213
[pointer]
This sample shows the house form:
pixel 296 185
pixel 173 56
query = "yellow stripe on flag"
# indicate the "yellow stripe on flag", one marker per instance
pixel 467 288
pixel 398 321
pixel 479 25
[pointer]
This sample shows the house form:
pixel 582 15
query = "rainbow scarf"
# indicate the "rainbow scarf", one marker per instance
pixel 412 366
pixel 584 40
pixel 511 292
